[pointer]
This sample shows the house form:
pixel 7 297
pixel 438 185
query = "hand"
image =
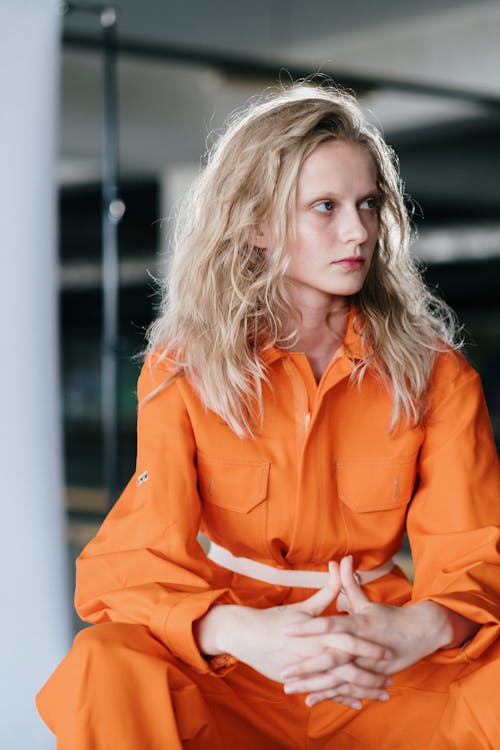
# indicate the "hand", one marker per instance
pixel 257 637
pixel 409 633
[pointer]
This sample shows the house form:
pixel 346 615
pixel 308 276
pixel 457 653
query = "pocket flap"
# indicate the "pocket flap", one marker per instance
pixel 234 485
pixel 366 486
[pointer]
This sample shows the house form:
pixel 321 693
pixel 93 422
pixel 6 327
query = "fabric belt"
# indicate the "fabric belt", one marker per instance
pixel 305 579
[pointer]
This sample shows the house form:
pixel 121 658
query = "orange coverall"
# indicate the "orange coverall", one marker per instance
pixel 325 478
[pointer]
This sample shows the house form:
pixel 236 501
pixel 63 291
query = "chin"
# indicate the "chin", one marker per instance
pixel 347 290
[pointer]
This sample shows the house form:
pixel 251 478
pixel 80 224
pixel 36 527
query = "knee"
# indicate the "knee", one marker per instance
pixel 95 656
pixel 109 638
pixel 107 633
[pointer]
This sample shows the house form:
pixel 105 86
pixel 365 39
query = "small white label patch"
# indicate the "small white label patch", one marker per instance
pixel 142 478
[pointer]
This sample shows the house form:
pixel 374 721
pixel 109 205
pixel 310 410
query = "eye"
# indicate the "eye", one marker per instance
pixel 324 207
pixel 369 203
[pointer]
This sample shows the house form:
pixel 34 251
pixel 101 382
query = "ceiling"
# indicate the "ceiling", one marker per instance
pixel 451 43
pixel 429 72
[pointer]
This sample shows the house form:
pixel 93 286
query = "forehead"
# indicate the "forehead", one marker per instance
pixel 338 165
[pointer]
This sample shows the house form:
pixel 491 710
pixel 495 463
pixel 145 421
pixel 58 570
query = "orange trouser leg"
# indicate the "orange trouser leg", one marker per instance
pixel 111 692
pixel 471 720
pixel 407 721
pixel 432 707
pixel 121 689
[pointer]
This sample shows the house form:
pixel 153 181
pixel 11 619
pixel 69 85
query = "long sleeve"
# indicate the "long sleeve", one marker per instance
pixel 145 565
pixel 453 521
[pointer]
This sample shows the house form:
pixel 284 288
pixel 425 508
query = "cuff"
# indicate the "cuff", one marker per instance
pixel 485 636
pixel 175 629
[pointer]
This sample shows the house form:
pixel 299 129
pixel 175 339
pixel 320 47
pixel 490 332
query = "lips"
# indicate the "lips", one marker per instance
pixel 350 264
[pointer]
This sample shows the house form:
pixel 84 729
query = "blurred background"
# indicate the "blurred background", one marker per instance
pixel 427 71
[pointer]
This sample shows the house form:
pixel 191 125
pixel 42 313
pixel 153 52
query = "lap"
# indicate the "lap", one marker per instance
pixel 121 668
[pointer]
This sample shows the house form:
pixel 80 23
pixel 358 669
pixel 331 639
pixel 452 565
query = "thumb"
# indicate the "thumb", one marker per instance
pixel 318 602
pixel 352 598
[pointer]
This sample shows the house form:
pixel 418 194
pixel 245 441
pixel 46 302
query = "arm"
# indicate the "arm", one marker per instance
pixel 145 564
pixel 453 526
pixel 409 633
pixel 454 518
pixel 259 638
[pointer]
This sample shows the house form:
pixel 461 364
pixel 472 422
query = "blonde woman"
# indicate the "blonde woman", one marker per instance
pixel 303 403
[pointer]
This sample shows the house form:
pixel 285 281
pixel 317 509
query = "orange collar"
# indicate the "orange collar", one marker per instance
pixel 351 347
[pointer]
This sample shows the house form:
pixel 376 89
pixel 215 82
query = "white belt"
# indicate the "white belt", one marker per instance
pixel 304 579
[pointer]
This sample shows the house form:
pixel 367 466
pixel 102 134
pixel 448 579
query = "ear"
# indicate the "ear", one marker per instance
pixel 262 235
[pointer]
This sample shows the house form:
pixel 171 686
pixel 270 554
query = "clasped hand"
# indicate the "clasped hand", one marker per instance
pixel 344 657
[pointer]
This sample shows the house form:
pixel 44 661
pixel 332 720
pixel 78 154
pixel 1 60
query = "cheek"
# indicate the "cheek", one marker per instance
pixel 299 247
pixel 372 230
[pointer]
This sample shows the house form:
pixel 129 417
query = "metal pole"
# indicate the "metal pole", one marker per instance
pixel 113 209
pixel 112 212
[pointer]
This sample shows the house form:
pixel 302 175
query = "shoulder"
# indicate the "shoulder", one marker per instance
pixel 159 369
pixel 451 368
pixel 453 383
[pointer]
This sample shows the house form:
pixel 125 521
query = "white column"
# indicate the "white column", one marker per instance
pixel 34 618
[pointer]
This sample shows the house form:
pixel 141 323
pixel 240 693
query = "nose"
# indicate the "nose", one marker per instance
pixel 351 228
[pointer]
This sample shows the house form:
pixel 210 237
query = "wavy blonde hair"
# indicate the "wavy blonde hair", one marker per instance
pixel 226 300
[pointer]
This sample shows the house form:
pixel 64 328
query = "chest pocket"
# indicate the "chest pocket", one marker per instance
pixel 366 486
pixel 234 507
pixel 234 485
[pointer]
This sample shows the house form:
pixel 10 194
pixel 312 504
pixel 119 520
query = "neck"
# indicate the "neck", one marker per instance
pixel 321 330
pixel 320 316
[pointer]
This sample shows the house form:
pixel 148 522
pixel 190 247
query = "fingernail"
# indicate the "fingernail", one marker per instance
pixel 357 705
pixel 289 689
pixel 383 697
pixel 310 701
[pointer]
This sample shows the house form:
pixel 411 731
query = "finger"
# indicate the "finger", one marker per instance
pixel 335 632
pixel 356 646
pixel 314 698
pixel 318 602
pixel 313 683
pixel 334 571
pixel 315 626
pixel 331 658
pixel 340 649
pixel 320 663
pixel 353 674
pixel 355 595
pixel 344 691
pixel 384 666
pixel 342 604
pixel 348 673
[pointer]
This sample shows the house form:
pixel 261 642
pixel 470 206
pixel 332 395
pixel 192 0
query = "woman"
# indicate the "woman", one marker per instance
pixel 303 404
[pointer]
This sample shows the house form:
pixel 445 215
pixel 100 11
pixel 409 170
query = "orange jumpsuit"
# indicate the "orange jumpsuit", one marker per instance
pixel 325 478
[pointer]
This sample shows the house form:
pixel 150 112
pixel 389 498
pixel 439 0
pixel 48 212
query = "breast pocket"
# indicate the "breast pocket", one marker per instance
pixel 366 486
pixel 234 500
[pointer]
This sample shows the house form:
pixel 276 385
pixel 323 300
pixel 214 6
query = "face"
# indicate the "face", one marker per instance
pixel 335 224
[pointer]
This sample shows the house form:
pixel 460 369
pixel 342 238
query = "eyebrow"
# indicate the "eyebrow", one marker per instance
pixel 374 192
